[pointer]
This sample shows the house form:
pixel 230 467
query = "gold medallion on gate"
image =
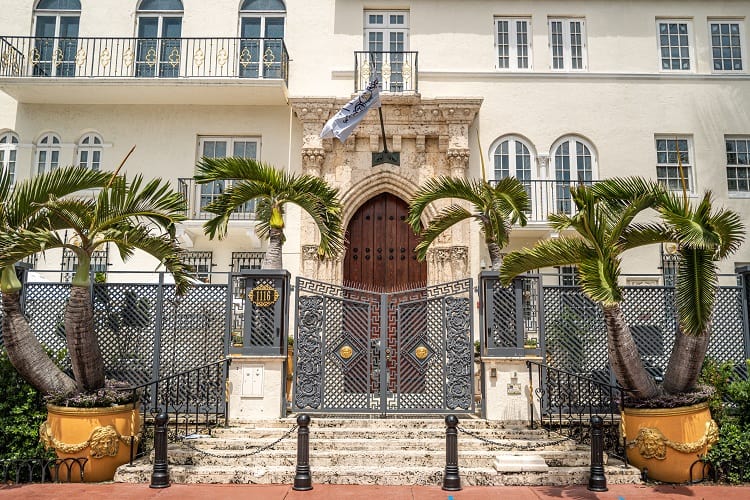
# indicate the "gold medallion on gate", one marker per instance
pixel 263 295
pixel 421 352
pixel 346 352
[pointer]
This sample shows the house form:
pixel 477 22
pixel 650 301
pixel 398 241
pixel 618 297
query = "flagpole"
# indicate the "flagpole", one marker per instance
pixel 382 129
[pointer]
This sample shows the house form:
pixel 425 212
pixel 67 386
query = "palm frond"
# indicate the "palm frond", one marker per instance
pixel 446 218
pixel 729 228
pixel 563 251
pixel 695 289
pixel 643 234
pixel 30 193
pixel 440 188
pixel 599 279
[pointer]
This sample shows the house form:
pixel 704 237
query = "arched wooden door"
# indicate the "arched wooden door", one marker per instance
pixel 380 250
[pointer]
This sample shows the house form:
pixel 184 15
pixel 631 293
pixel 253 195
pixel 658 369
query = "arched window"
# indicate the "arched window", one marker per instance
pixel 262 34
pixel 159 38
pixel 90 151
pixel 574 163
pixel 512 159
pixel 47 153
pixel 8 150
pixel 55 37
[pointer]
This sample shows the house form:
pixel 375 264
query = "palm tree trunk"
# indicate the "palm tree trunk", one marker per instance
pixel 496 258
pixel 85 354
pixel 26 354
pixel 272 259
pixel 686 361
pixel 624 357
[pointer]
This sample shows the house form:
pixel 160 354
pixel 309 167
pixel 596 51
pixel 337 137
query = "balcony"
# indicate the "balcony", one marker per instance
pixel 144 70
pixel 549 197
pixel 397 71
pixel 197 196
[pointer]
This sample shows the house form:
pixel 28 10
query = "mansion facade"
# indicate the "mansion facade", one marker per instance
pixel 553 93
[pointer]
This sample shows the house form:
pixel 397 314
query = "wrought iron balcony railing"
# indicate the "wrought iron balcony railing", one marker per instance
pixel 397 71
pixel 550 197
pixel 197 196
pixel 257 58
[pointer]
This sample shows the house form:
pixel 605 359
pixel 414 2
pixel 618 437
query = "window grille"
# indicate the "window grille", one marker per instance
pixel 201 263
pixel 99 263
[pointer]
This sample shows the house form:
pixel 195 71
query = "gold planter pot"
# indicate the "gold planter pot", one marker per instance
pixel 103 435
pixel 668 441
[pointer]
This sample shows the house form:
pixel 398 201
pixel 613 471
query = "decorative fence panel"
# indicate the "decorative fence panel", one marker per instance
pixel 576 340
pixel 145 331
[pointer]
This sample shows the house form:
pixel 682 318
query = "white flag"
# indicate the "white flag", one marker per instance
pixel 342 123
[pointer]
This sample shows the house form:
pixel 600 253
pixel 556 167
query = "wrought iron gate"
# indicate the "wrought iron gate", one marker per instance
pixel 358 351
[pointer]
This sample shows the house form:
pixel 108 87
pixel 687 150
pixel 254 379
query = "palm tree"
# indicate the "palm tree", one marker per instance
pixel 271 189
pixel 130 215
pixel 496 207
pixel 20 209
pixel 606 229
pixel 704 237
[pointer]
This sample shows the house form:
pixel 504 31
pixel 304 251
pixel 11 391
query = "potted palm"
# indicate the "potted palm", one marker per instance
pixel 129 214
pixel 606 228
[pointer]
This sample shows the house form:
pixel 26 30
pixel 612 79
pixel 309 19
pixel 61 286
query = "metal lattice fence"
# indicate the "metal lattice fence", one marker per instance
pixel 576 340
pixel 145 331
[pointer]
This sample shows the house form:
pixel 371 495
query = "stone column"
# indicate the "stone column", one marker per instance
pixel 312 113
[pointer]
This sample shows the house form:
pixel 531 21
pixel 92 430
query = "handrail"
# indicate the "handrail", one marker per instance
pixel 196 401
pixel 568 400
pixel 133 57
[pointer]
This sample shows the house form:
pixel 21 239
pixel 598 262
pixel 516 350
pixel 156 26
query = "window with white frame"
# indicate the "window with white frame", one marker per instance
pixel 738 164
pixel 159 28
pixel 223 147
pixel 574 162
pixel 47 153
pixel 262 33
pixel 674 163
pixel 8 151
pixel 513 42
pixel 675 52
pixel 90 151
pixel 567 40
pixel 386 41
pixel 512 158
pixel 56 37
pixel 726 44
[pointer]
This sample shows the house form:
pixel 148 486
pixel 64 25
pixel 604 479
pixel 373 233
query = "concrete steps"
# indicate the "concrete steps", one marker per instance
pixel 381 452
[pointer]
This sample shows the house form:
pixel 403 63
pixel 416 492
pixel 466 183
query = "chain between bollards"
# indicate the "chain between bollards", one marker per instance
pixel 451 479
pixel 597 479
pixel 302 477
pixel 160 474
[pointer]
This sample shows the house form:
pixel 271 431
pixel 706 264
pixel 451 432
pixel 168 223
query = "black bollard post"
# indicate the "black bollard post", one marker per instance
pixel 160 474
pixel 451 479
pixel 302 477
pixel 597 480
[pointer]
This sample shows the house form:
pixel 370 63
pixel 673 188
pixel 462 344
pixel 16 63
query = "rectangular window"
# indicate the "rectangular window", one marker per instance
pixel 567 275
pixel 513 41
pixel 223 147
pixel 675 52
pixel 567 40
pixel 738 164
pixel 726 45
pixel 674 162
pixel 386 40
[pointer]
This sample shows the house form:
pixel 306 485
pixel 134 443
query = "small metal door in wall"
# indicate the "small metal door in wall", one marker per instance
pixel 358 351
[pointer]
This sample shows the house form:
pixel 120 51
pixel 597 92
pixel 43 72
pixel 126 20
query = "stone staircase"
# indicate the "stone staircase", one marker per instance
pixel 388 451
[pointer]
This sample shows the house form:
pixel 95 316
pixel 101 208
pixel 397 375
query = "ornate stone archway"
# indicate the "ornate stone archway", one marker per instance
pixel 432 136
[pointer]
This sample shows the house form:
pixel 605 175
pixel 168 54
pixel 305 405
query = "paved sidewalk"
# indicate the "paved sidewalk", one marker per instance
pixel 126 491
